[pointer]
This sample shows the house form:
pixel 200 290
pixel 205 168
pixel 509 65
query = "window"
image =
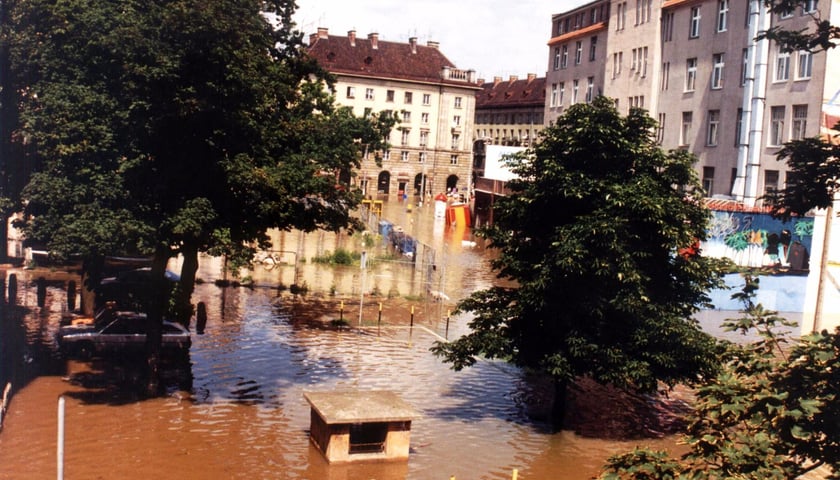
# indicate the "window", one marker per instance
pixel 408 98
pixel 456 140
pixel 618 59
pixel 643 60
pixel 457 102
pixel 804 60
pixel 423 157
pixel 771 181
pixel 809 6
pixel 404 156
pixel 667 26
pixel 574 91
pixel 427 99
pixel 553 97
pixel 406 116
pixel 557 58
pixel 561 94
pixel 713 128
pixel 694 24
pixel 424 138
pixel 634 60
pixel 620 16
pixel 389 96
pixel 424 118
pixel 405 137
pixel 777 126
pixel 739 127
pixel 782 64
pixel 660 129
pixel 685 131
pixel 456 120
pixel 717 71
pixel 690 74
pixel 723 11
pixel 351 92
pixel 578 52
pixel 666 76
pixel 745 66
pixel 564 56
pixel 787 14
pixel 800 122
pixel 593 42
pixel 708 180
pixel 590 89
pixel 386 156
pixel 453 159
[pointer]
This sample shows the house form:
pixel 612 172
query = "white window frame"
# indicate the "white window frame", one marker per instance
pixel 694 23
pixel 777 126
pixel 782 70
pixel 799 122
pixel 404 156
pixel 351 92
pixel 564 57
pixel 458 101
pixel 713 128
pixel 804 65
pixel 590 89
pixel 691 74
pixel 685 130
pixel 578 52
pixel 717 71
pixel 575 87
pixel 552 99
pixel 723 13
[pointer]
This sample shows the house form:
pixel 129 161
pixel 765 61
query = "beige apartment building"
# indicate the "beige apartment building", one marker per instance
pixel 431 148
pixel 698 69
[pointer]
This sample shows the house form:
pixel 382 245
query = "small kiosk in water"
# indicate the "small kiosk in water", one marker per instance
pixel 353 426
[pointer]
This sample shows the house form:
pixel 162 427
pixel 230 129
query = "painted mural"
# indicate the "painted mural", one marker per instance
pixel 759 240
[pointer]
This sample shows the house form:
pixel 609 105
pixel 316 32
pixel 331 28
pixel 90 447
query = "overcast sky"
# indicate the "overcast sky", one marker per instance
pixel 492 37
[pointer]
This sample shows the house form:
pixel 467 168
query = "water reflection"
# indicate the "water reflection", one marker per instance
pixel 236 410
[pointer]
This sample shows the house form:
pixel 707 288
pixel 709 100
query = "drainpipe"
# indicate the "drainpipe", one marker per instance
pixel 749 154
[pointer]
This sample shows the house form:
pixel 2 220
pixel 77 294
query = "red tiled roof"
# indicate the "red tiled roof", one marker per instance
pixel 388 59
pixel 734 206
pixel 508 93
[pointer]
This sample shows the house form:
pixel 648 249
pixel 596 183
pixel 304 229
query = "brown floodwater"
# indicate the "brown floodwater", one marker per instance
pixel 235 408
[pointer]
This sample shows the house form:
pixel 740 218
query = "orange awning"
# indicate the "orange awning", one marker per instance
pixel 576 33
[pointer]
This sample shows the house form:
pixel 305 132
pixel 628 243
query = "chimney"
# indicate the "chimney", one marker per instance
pixel 513 78
pixel 532 77
pixel 481 81
pixel 351 35
pixel 435 45
pixel 374 40
pixel 413 42
pixel 323 32
pixel 497 80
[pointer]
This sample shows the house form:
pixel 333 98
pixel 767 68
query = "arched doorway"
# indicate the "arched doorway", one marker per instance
pixel 383 184
pixel 451 182
pixel 419 184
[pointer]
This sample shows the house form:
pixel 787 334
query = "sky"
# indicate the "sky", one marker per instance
pixel 492 37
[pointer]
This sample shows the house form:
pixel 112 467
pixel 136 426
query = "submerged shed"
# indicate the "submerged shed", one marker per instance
pixel 350 426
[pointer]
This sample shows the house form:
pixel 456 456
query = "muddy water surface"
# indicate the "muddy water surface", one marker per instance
pixel 235 409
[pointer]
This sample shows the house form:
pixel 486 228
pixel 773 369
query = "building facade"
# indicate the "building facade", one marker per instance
pixel 700 71
pixel 431 151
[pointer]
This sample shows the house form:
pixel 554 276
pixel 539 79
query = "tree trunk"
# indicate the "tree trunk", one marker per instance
pixel 558 410
pixel 186 286
pixel 156 302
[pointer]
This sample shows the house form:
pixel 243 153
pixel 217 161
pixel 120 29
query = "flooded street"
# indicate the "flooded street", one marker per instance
pixel 236 408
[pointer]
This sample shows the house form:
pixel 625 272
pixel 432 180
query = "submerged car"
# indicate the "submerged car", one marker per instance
pixel 120 332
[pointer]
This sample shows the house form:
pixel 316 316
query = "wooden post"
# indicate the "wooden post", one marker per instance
pixel 412 316
pixel 200 317
pixel 12 289
pixel 71 295
pixel 41 291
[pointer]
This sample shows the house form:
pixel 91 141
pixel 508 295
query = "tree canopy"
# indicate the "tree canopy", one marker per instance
pixel 772 412
pixel 598 236
pixel 169 127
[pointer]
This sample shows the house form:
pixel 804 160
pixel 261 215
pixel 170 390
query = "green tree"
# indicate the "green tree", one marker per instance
pixel 178 126
pixel 772 412
pixel 597 236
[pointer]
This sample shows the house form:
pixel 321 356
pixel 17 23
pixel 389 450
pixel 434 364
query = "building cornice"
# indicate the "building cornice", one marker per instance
pixel 577 33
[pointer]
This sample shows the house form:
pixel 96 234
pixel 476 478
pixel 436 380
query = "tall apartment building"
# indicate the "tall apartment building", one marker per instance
pixel 698 69
pixel 430 148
